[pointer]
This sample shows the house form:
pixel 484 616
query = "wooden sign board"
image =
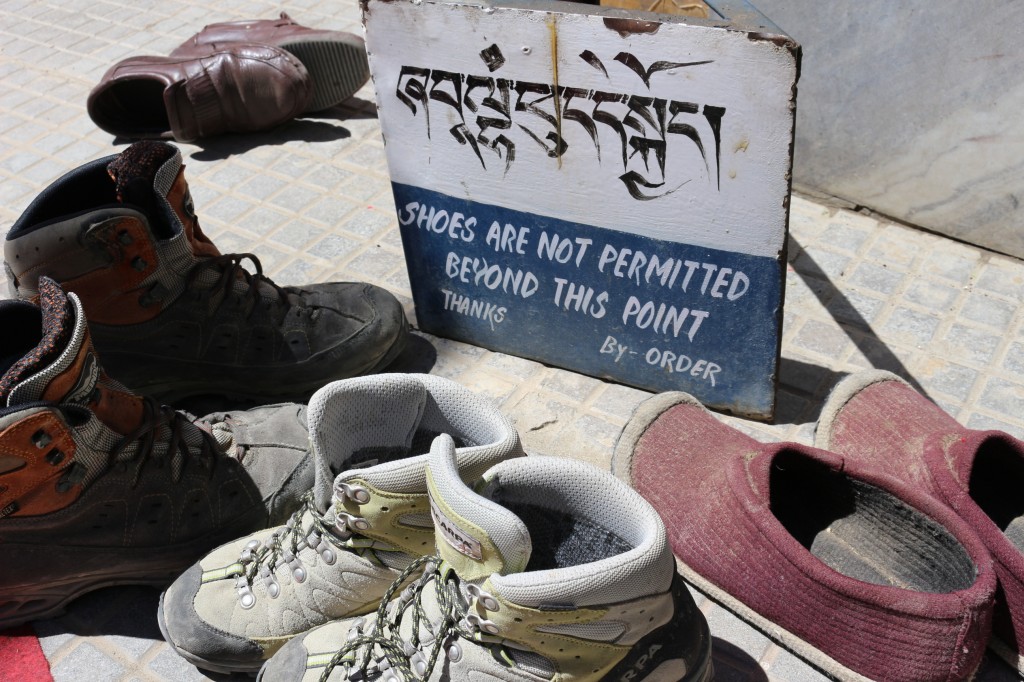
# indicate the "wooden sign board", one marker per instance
pixel 599 189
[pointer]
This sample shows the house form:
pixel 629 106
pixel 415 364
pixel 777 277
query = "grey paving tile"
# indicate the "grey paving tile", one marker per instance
pixel 169 666
pixel 296 234
pixel 913 325
pixel 985 422
pixel 296 273
pixel 598 430
pixel 328 177
pixel 295 198
pixel 970 344
pixel 897 246
pixel 988 311
pixel 86 657
pixel 369 223
pixel 262 220
pixel 619 401
pixel 844 236
pixel 515 367
pixel 787 667
pixel 952 379
pixel 856 308
pixel 724 625
pixel 52 634
pixel 1003 396
pixel 330 210
pixel 935 296
pixel 823 338
pixel 373 264
pixel 877 278
pixel 262 187
pixel 815 260
pixel 1014 360
pixel 1002 276
pixel 575 386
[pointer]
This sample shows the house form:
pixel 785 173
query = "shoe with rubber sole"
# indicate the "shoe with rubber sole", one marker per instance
pixel 100 486
pixel 550 569
pixel 172 316
pixel 365 519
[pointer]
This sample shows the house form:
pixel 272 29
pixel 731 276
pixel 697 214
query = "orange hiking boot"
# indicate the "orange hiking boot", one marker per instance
pixel 171 315
pixel 99 486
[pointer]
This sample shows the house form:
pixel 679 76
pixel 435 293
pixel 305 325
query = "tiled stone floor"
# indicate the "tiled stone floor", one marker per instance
pixel 312 200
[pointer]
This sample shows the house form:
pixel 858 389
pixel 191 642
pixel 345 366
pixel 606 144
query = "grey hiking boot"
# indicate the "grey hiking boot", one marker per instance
pixel 366 519
pixel 554 570
pixel 99 486
pixel 173 316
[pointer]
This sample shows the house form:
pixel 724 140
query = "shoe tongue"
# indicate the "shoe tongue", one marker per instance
pixel 475 535
pixel 62 366
pixel 149 175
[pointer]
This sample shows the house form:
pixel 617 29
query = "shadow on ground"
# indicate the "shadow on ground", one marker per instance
pixel 732 664
pixel 297 130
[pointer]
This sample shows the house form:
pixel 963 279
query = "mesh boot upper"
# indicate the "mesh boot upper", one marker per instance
pixel 550 567
pixel 366 518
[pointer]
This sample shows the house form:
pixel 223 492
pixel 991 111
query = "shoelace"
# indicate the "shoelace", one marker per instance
pixel 177 449
pixel 231 271
pixel 402 660
pixel 284 545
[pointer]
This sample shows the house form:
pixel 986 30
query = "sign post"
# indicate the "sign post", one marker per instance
pixel 594 188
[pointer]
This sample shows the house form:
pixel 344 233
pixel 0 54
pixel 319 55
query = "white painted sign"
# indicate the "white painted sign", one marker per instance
pixel 593 191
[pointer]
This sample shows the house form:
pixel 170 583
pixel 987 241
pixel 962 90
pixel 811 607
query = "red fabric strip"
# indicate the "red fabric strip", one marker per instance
pixel 21 657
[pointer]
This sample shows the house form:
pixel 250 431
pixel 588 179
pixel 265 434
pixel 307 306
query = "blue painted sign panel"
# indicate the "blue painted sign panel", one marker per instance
pixel 597 193
pixel 655 314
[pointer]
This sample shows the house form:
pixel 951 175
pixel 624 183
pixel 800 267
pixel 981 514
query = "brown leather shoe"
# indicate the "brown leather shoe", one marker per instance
pixel 210 90
pixel 336 60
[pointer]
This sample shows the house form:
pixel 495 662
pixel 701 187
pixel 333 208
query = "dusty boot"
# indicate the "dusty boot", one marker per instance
pixel 366 519
pixel 554 570
pixel 170 314
pixel 99 486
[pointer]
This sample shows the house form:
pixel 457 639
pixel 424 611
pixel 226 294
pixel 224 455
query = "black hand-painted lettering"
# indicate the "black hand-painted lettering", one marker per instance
pixel 580 116
pixel 493 57
pixel 644 126
pixel 634 65
pixel 545 93
pixel 592 59
pixel 415 90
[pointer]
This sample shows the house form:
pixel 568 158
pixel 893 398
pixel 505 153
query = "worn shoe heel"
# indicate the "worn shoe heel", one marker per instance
pixel 338 69
pixel 678 652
